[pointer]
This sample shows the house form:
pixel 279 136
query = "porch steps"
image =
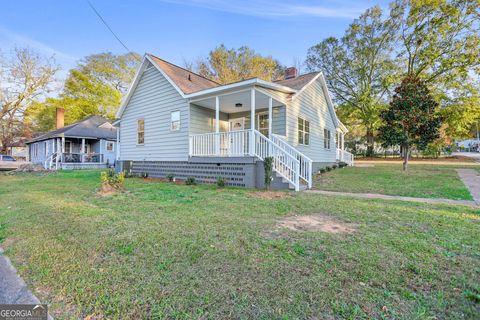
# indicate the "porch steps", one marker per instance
pixel 280 182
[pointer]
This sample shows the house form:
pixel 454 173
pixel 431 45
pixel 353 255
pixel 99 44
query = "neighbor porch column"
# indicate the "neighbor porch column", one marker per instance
pixel 82 152
pixel 252 122
pixel 217 125
pixel 270 116
pixel 343 140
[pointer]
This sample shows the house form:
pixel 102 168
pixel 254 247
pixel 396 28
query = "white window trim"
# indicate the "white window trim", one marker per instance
pixel 304 131
pixel 179 120
pixel 113 144
pixel 136 136
pixel 327 138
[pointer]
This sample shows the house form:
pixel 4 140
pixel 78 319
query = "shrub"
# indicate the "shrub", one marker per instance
pixel 190 181
pixel 171 177
pixel 328 168
pixel 114 180
pixel 221 181
pixel 128 174
pixel 334 167
pixel 268 167
pixel 323 170
pixel 342 164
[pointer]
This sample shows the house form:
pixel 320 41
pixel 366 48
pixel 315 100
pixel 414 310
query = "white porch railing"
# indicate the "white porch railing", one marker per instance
pixel 305 162
pixel 345 156
pixel 237 143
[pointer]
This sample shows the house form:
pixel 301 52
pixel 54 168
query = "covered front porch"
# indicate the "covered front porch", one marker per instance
pixel 247 123
pixel 75 153
pixel 224 125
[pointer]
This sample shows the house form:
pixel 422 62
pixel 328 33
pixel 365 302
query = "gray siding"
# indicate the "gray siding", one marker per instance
pixel 153 100
pixel 311 105
pixel 202 120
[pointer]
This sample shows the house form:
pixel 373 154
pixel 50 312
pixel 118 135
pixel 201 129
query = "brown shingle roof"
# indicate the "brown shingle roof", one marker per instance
pixel 186 80
pixel 298 82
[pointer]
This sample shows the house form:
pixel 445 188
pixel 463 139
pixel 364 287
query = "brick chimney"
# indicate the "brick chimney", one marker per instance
pixel 291 73
pixel 60 118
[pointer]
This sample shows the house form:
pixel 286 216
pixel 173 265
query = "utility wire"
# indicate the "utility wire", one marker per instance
pixel 110 29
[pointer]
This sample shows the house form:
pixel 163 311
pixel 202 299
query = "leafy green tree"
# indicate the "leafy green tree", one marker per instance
pixel 225 65
pixel 411 119
pixel 95 87
pixel 359 69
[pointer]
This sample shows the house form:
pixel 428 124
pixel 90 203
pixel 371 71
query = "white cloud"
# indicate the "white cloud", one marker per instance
pixel 268 8
pixel 12 39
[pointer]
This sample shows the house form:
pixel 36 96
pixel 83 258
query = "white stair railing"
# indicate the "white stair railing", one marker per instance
pixel 284 163
pixel 345 156
pixel 306 163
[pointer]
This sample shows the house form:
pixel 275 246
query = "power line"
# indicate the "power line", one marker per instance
pixel 110 29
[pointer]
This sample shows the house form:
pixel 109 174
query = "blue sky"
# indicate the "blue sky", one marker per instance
pixel 173 29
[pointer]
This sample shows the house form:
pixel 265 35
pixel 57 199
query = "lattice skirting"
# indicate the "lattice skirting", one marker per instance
pixel 236 173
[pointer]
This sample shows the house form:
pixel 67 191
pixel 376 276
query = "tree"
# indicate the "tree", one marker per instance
pixel 359 69
pixel 411 119
pixel 23 79
pixel 439 42
pixel 95 87
pixel 229 65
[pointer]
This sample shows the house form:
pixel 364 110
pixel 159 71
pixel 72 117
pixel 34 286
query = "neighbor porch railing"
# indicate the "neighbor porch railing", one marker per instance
pixel 53 160
pixel 345 156
pixel 288 163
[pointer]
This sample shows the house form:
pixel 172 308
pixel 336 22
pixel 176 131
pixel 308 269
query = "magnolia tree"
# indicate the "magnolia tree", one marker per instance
pixel 411 119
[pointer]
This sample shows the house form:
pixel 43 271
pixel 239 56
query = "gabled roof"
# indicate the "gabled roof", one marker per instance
pixel 90 127
pixel 299 82
pixel 186 80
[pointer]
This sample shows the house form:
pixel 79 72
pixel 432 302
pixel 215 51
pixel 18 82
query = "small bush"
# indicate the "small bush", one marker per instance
pixel 323 170
pixel 190 181
pixel 342 164
pixel 221 181
pixel 114 180
pixel 268 167
pixel 328 168
pixel 171 177
pixel 334 167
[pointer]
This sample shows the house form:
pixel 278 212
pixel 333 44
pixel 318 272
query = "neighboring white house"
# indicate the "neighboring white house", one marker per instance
pixel 175 121
pixel 89 143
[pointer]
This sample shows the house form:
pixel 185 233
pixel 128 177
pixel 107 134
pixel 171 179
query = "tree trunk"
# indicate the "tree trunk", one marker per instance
pixel 406 154
pixel 370 143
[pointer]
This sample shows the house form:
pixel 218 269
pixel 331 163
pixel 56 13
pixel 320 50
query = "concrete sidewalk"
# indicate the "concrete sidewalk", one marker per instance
pixel 400 198
pixel 13 290
pixel 471 178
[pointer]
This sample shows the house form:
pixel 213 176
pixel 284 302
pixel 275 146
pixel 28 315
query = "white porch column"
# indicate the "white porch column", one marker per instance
pixel 117 145
pixel 63 144
pixel 343 140
pixel 217 125
pixel 270 116
pixel 252 122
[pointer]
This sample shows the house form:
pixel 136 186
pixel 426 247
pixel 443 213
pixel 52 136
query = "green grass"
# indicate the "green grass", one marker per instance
pixel 421 181
pixel 187 252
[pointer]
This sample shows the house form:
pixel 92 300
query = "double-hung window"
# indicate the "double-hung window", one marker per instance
pixel 140 131
pixel 175 121
pixel 326 138
pixel 303 131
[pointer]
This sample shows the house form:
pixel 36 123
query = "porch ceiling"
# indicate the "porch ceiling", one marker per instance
pixel 228 101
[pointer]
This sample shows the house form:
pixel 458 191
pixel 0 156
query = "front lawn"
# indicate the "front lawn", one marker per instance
pixel 174 251
pixel 422 181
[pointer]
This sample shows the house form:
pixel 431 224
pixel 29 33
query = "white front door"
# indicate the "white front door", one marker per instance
pixel 237 140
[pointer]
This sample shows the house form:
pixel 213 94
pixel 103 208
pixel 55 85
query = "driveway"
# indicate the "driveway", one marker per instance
pixel 473 155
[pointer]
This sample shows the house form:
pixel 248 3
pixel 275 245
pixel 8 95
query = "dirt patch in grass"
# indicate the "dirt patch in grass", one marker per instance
pixel 316 223
pixel 270 194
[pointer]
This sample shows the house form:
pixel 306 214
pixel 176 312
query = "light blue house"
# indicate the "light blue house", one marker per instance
pixel 86 144
pixel 175 121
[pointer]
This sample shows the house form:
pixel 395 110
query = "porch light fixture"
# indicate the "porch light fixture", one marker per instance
pixel 238 105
